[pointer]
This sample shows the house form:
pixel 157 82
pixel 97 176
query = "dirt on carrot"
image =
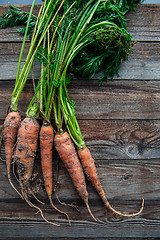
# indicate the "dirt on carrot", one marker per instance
pixel 11 125
pixel 26 149
pixel 69 157
pixel 46 147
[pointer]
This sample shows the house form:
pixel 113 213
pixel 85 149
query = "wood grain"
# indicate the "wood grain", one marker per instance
pixel 42 230
pixel 10 35
pixel 114 100
pixel 143 62
pixel 143 24
pixel 10 52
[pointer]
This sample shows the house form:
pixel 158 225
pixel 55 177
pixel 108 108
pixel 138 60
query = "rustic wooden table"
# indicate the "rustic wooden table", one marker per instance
pixel 121 124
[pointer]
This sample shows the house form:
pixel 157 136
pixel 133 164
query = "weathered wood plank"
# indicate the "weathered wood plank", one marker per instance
pixel 19 210
pixel 113 100
pixel 11 35
pixel 10 52
pixel 122 139
pixel 118 100
pixel 22 211
pixel 81 230
pixel 143 62
pixel 143 24
pixel 9 69
pixel 4 8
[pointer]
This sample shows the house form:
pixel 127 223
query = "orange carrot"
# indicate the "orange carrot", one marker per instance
pixel 26 148
pixel 46 147
pixel 68 155
pixel 25 153
pixel 91 172
pixel 11 125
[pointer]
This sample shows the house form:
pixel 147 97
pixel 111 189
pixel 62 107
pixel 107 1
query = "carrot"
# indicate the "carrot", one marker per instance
pixel 46 147
pixel 91 172
pixel 68 155
pixel 25 153
pixel 11 125
pixel 26 149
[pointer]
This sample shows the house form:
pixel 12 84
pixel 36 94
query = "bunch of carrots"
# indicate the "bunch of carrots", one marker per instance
pixel 62 32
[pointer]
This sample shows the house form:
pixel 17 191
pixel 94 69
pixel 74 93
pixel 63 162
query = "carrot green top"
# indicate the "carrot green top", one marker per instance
pixel 85 36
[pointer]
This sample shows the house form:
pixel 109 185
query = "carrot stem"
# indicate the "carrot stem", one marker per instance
pixel 24 39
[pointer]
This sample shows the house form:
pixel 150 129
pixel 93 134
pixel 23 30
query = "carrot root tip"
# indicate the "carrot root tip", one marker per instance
pixel 37 199
pixel 66 204
pixel 127 215
pixel 12 185
pixel 50 198
pixel 89 210
pixel 39 210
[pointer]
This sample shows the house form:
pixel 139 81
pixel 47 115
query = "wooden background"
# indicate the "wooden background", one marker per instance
pixel 121 124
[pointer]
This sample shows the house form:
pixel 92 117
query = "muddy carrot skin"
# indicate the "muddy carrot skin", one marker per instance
pixel 11 125
pixel 46 147
pixel 25 153
pixel 91 172
pixel 26 148
pixel 68 155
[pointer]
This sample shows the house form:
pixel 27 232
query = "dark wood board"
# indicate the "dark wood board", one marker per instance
pixel 121 124
pixel 142 24
pixel 114 100
pixel 143 62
